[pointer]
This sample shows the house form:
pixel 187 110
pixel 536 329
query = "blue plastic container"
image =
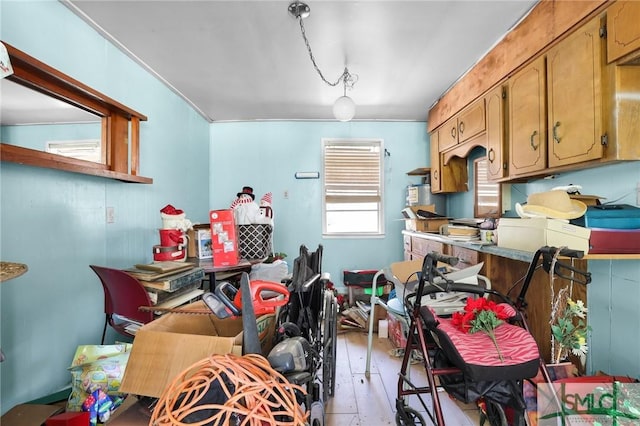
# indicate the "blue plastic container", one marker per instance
pixel 610 216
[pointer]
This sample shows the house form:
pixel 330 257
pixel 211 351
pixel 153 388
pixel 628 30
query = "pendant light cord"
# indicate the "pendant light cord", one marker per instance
pixel 346 77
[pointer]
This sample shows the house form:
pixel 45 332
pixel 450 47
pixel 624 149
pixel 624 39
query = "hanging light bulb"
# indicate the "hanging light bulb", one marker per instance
pixel 344 109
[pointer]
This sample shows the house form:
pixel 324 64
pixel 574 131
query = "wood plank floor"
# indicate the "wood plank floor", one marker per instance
pixel 362 401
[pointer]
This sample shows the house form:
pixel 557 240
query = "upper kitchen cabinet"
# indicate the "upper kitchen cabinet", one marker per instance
pixel 496 128
pixel 623 31
pixel 527 119
pixel 463 126
pixel 446 177
pixel 574 90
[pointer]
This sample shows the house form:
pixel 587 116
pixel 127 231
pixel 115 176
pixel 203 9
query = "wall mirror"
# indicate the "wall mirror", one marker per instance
pixel 487 195
pixel 83 130
pixel 31 119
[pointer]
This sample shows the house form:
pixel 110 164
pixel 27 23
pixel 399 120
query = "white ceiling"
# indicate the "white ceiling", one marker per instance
pixel 246 60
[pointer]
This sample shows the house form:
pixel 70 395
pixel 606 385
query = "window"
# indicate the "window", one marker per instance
pixel 488 195
pixel 352 204
pixel 88 150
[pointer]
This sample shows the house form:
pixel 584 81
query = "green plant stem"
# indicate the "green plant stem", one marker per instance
pixel 492 336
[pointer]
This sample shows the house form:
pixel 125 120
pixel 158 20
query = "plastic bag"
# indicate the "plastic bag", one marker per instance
pixel 275 272
pixel 96 367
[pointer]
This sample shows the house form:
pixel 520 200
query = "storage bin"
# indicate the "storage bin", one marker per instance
pixel 359 282
pixel 532 233
pixel 255 241
pixel 611 216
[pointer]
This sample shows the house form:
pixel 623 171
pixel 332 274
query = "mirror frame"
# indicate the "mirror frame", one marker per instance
pixel 121 156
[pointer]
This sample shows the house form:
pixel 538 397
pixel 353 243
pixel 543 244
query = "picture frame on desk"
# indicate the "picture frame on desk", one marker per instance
pixel 204 246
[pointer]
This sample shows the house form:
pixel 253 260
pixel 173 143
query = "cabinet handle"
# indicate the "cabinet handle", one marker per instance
pixel 492 155
pixel 461 127
pixel 453 132
pixel 555 133
pixel 533 135
pixel 435 174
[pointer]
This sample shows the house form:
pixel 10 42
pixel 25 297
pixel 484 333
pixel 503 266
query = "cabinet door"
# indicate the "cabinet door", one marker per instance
pixel 496 165
pixel 422 246
pixel 623 31
pixel 466 257
pixel 448 134
pixel 574 78
pixel 435 162
pixel 527 119
pixel 471 121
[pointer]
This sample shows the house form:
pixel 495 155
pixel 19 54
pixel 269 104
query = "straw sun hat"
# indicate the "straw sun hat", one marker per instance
pixel 554 204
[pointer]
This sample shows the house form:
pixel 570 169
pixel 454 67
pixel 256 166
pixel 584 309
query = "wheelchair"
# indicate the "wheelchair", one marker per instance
pixel 306 332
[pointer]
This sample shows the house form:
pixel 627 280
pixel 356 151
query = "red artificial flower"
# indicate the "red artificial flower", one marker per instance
pixel 480 315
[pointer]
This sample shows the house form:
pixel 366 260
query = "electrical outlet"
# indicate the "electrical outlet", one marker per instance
pixel 111 215
pixel 286 194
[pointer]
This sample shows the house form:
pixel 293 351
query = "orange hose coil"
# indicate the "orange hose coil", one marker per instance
pixel 261 394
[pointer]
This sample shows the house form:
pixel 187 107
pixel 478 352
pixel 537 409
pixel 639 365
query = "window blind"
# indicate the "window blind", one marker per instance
pixel 352 172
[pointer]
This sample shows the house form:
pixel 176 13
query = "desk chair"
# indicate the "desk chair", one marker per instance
pixel 123 295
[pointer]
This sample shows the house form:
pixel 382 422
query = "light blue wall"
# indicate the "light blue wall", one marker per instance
pixel 55 221
pixel 266 155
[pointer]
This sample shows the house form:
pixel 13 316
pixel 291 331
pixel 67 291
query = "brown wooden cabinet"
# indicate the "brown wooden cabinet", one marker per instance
pixel 571 103
pixel 466 257
pixel 496 128
pixel 420 247
pixel 527 119
pixel 448 134
pixel 623 31
pixel 574 97
pixel 449 177
pixel 463 126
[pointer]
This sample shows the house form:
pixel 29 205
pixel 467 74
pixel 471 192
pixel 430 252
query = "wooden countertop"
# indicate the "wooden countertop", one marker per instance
pixel 524 256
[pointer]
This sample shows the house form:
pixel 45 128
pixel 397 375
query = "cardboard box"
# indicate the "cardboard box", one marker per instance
pixel 418 224
pixel 197 241
pixel 532 233
pixel 30 414
pixel 168 345
pixel 224 238
pixel 560 234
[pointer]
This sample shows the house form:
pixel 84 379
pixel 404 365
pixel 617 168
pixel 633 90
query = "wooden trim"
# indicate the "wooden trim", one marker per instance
pixel 39 76
pixel 115 149
pixel 31 157
pixel 119 130
pixel 135 145
pixel 547 22
pixel 464 149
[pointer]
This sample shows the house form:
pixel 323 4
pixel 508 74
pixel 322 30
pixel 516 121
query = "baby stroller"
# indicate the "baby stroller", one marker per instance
pixel 305 340
pixel 468 366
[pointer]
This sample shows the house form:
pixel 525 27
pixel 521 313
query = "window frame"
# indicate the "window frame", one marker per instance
pixel 379 143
